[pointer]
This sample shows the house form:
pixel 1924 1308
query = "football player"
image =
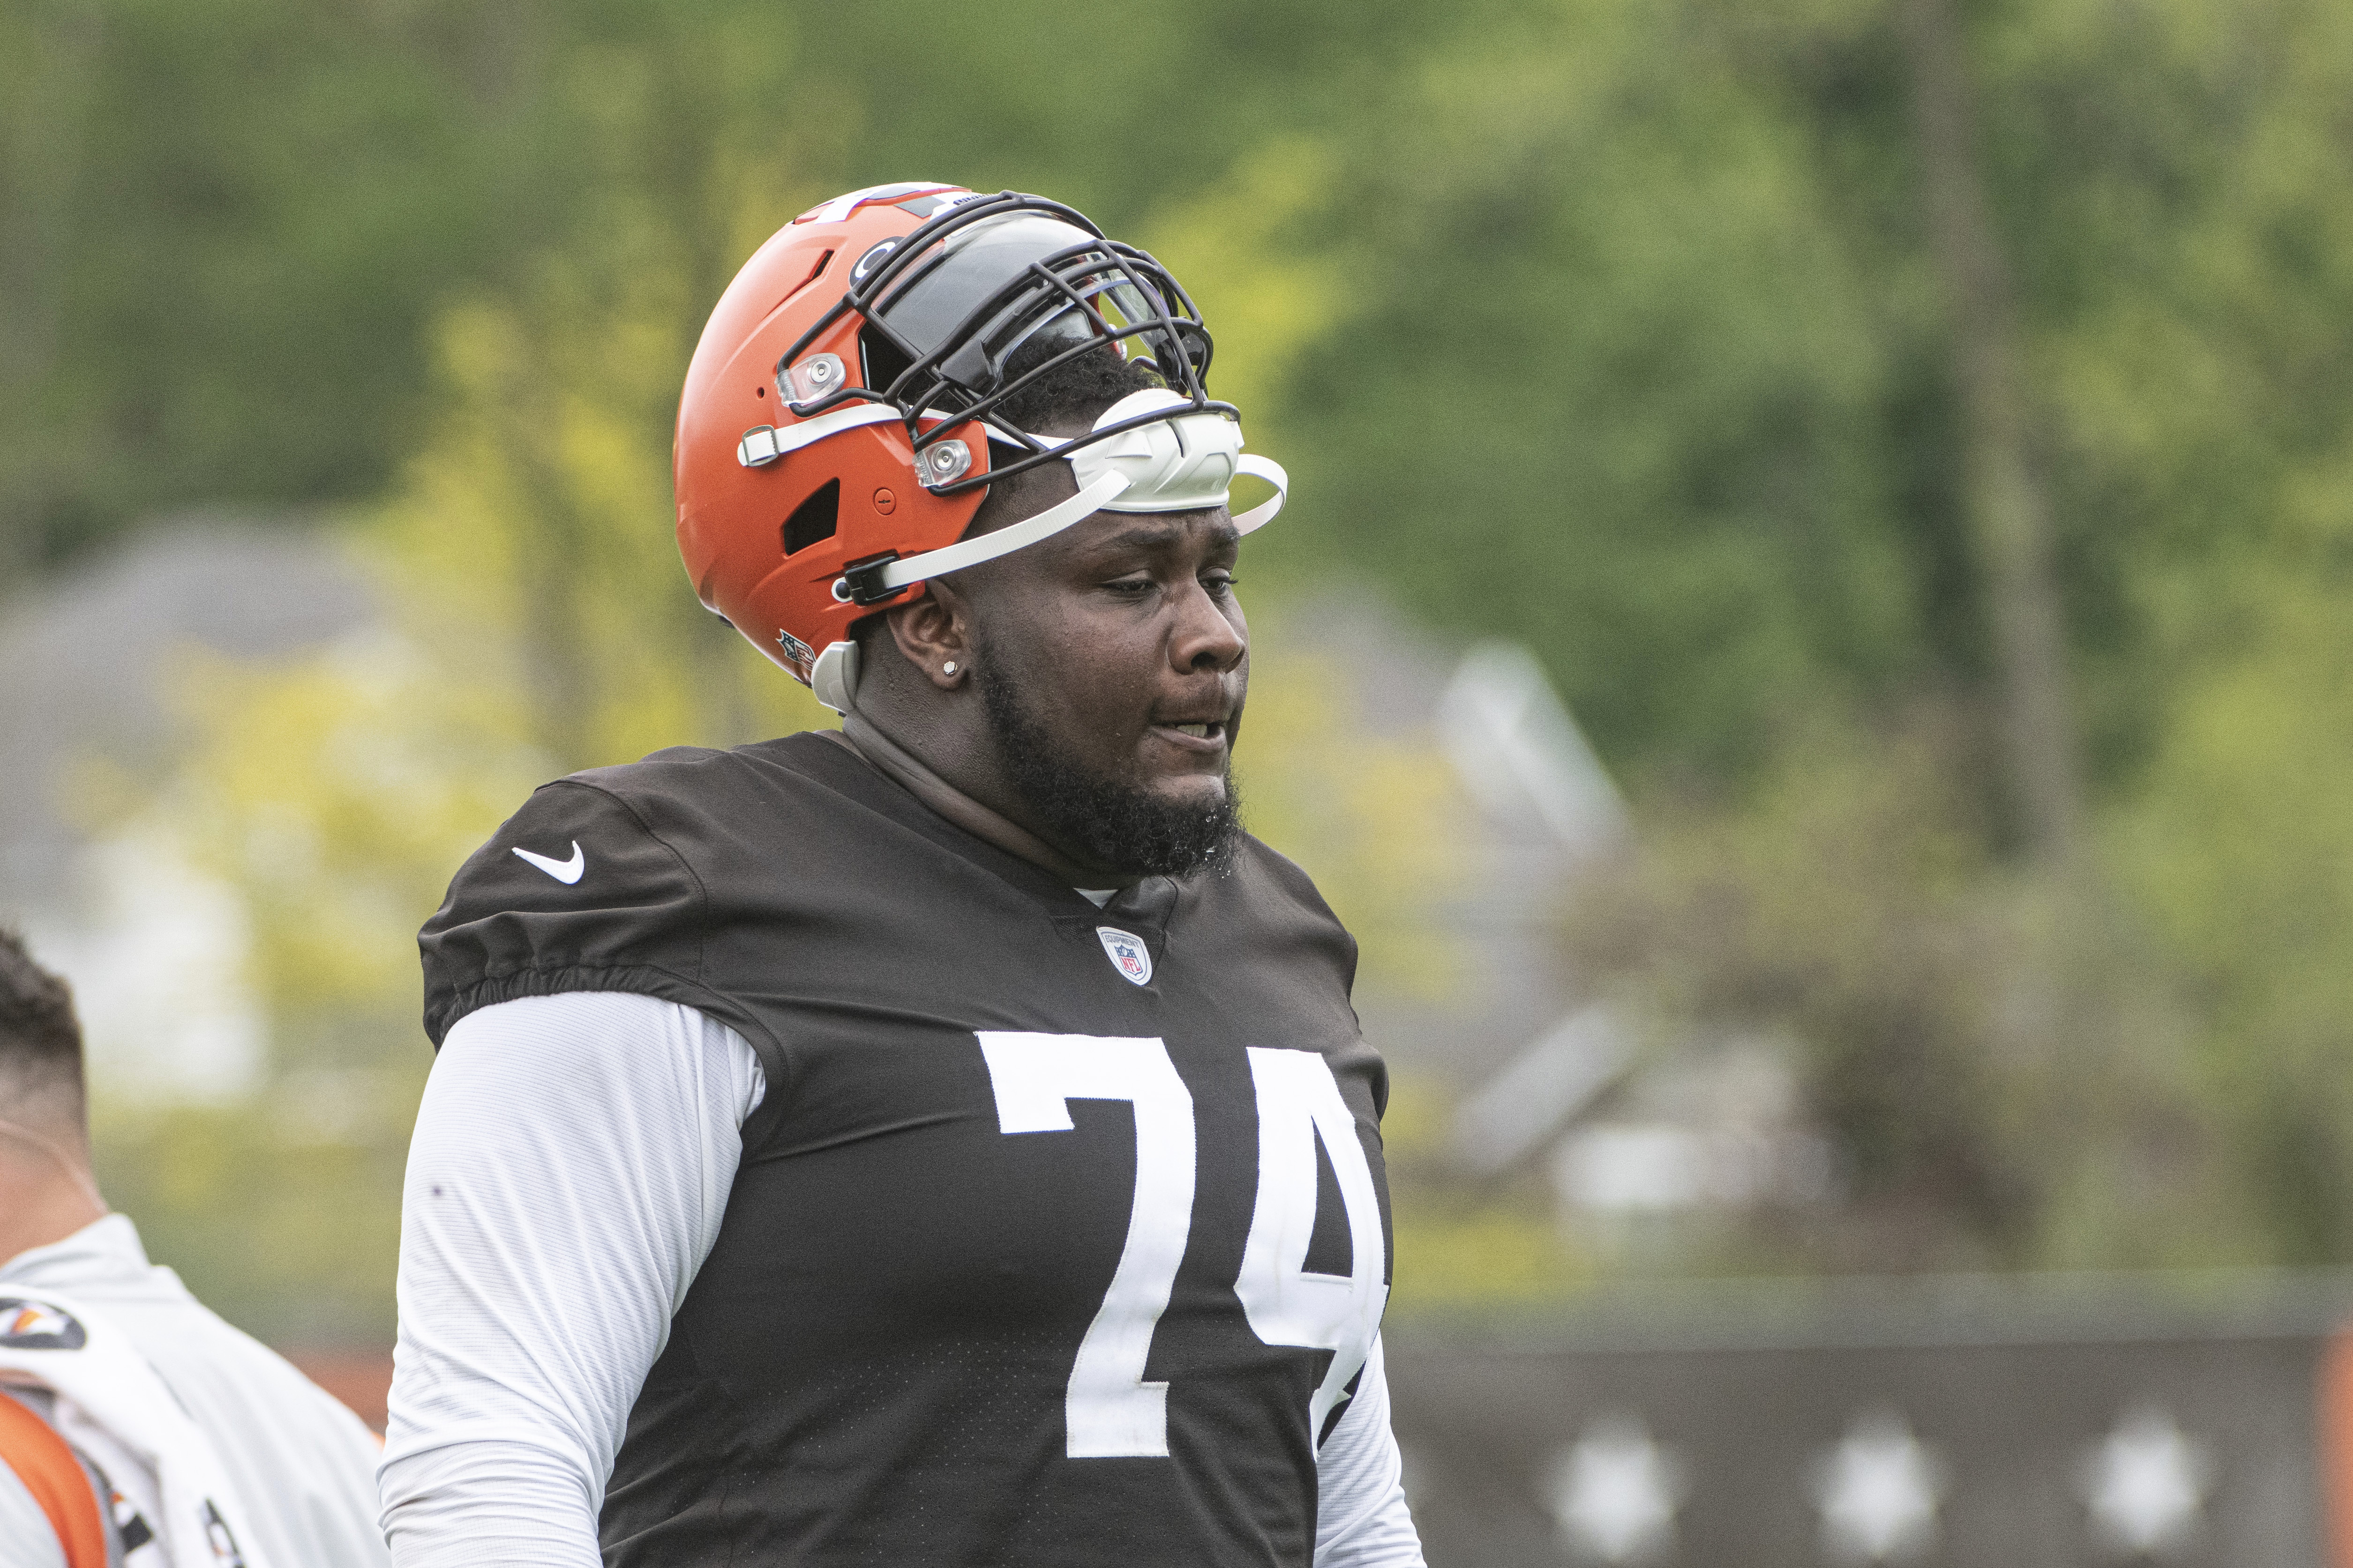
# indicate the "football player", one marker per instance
pixel 946 1141
pixel 138 1429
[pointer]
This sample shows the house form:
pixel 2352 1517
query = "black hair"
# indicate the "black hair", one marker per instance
pixel 40 1043
pixel 1075 394
pixel 1065 401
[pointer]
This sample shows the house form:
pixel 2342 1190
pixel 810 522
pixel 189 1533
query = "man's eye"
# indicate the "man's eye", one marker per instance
pixel 1221 584
pixel 1129 586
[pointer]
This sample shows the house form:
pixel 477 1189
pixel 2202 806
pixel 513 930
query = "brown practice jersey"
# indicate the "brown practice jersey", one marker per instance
pixel 1060 1234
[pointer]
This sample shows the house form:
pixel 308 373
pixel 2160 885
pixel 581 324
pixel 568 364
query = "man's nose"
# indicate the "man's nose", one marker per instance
pixel 1204 639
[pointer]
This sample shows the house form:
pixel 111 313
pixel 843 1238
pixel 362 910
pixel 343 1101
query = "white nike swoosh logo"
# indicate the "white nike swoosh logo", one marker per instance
pixel 565 871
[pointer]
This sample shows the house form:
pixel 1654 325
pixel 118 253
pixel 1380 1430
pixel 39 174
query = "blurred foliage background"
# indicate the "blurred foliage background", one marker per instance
pixel 1915 434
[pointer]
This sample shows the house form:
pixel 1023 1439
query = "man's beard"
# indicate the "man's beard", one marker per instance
pixel 1114 823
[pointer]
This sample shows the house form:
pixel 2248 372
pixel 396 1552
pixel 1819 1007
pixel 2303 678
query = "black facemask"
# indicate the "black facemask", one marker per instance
pixel 1114 823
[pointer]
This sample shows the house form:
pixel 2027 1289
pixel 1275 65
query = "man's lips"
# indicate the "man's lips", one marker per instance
pixel 1202 736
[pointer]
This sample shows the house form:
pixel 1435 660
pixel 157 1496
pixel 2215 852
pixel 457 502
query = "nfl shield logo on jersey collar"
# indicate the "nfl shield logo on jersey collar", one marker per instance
pixel 29 1325
pixel 1128 955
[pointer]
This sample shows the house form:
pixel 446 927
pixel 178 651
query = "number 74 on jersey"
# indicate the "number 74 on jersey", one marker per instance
pixel 1112 1413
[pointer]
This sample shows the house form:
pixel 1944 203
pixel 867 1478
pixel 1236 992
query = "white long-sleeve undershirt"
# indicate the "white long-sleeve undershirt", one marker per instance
pixel 571 1160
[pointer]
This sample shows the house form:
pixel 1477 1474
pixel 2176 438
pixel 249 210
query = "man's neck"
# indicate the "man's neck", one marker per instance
pixel 899 763
pixel 46 1190
pixel 42 1216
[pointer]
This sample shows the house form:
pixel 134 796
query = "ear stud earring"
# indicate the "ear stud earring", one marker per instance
pixel 949 668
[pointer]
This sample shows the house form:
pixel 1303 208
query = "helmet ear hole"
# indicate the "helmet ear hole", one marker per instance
pixel 814 519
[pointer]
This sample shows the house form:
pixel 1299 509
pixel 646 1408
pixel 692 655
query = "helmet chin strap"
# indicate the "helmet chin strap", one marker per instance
pixel 1270 470
pixel 1005 541
pixel 834 677
pixel 1182 463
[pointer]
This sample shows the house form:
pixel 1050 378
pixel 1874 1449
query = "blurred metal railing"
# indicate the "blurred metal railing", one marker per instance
pixel 1976 1423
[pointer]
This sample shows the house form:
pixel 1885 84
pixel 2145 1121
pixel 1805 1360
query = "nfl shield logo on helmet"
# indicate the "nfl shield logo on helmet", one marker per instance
pixel 1128 955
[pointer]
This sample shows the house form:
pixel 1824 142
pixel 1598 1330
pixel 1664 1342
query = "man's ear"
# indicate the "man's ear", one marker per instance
pixel 934 635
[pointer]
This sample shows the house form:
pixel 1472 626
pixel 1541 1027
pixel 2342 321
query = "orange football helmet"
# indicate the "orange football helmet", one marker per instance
pixel 840 421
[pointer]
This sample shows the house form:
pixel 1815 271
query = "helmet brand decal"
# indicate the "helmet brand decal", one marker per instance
pixel 1128 955
pixel 37 1326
